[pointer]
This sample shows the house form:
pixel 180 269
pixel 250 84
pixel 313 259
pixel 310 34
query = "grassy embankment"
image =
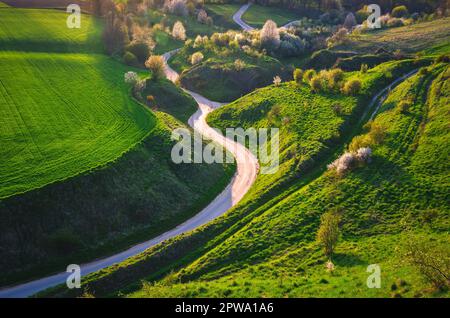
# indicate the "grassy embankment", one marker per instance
pixel 259 229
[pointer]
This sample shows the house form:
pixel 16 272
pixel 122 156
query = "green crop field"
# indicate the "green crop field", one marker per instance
pixel 62 113
pixel 257 15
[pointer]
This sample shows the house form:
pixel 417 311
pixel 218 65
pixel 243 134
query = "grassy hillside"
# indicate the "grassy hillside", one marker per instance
pixel 409 39
pixel 94 163
pixel 399 197
pixel 61 114
pixel 257 15
pixel 272 232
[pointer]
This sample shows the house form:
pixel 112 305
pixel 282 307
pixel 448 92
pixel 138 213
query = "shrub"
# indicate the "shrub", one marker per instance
pixel 328 233
pixel 395 22
pixel 399 12
pixel 358 142
pixel 364 68
pixel 269 35
pixel 196 58
pixel 140 50
pixel 338 109
pixel 334 78
pixel 364 154
pixel 277 80
pixel 177 7
pixel 155 64
pixel 403 106
pixel 339 37
pixel 202 16
pixel 444 58
pixel 308 75
pixel 131 78
pixel 130 59
pixel 150 99
pixel 316 83
pixel 298 75
pixel 178 31
pixel 239 65
pixel 352 87
pixel 424 71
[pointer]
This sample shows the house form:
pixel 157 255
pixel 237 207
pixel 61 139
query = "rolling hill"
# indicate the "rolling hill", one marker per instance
pixel 85 170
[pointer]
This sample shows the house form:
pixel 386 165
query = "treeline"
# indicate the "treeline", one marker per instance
pixel 427 6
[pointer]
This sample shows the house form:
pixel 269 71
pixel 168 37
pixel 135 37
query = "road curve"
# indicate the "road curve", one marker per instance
pixel 237 17
pixel 247 169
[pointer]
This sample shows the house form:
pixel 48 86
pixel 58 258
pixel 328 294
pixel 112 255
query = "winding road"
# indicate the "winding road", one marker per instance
pixel 247 170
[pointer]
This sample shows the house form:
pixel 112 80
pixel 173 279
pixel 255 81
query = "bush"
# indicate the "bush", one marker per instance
pixel 316 83
pixel 196 58
pixel 239 65
pixel 131 78
pixel 140 50
pixel 298 75
pixel 352 87
pixel 358 142
pixel 350 21
pixel 424 71
pixel 399 12
pixel 432 262
pixel 334 78
pixel 269 35
pixel 445 58
pixel 395 22
pixel 130 59
pixel 277 80
pixel 364 68
pixel 308 75
pixel 155 64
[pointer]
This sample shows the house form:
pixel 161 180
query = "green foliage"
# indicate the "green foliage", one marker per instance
pixel 352 87
pixel 298 75
pixel 130 59
pixel 399 12
pixel 140 50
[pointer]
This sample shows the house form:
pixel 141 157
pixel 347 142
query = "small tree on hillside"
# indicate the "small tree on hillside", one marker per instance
pixel 196 58
pixel 178 31
pixel 298 75
pixel 328 233
pixel 270 36
pixel 155 64
pixel 400 12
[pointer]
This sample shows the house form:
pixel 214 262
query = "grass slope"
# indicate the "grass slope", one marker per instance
pixel 409 39
pixel 282 211
pixel 257 15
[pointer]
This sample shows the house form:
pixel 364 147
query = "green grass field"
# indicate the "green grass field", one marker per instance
pixel 257 15
pixel 223 14
pixel 409 39
pixel 62 113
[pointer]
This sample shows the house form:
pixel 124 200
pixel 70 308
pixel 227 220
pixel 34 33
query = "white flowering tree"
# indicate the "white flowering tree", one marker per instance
pixel 270 36
pixel 131 78
pixel 277 80
pixel 196 58
pixel 178 31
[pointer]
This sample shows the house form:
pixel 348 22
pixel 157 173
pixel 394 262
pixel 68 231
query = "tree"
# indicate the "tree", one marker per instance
pixel 298 75
pixel 316 83
pixel 178 31
pixel 328 233
pixel 155 64
pixel 277 80
pixel 270 36
pixel 350 21
pixel 196 58
pixel 308 75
